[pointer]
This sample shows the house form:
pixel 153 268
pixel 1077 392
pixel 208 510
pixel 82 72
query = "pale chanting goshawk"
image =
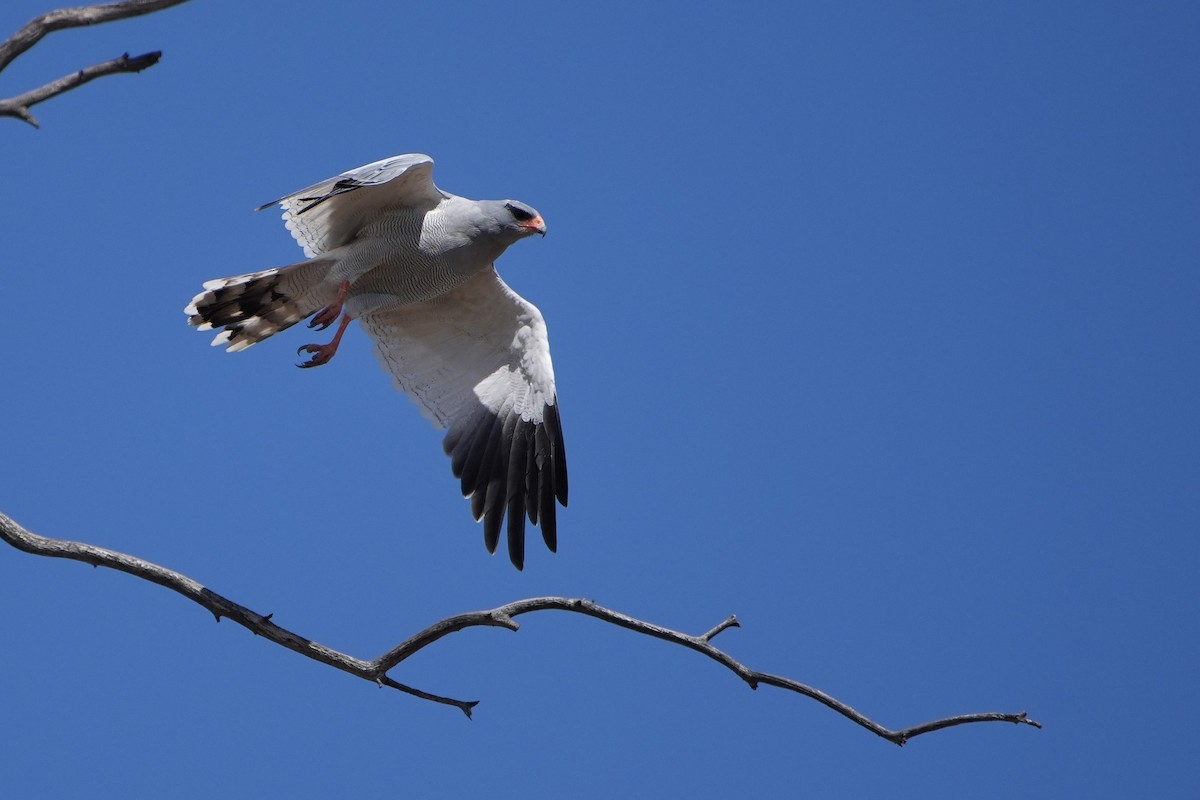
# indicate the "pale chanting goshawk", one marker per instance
pixel 414 265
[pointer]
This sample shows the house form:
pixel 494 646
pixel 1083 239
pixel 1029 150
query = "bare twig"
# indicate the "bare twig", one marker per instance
pixel 19 106
pixel 504 617
pixel 731 622
pixel 76 17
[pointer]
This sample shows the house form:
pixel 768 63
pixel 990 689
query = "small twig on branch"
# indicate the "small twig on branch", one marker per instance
pixel 36 29
pixel 732 622
pixel 504 617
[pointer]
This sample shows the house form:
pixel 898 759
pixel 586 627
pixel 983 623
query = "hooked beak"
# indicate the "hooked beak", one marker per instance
pixel 535 225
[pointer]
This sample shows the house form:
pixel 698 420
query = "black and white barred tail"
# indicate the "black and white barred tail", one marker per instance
pixel 250 308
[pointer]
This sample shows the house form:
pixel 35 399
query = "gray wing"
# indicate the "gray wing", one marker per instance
pixel 329 214
pixel 477 362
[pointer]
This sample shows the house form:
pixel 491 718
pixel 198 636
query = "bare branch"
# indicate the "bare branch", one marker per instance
pixel 36 29
pixel 19 106
pixel 257 624
pixel 504 617
pixel 76 17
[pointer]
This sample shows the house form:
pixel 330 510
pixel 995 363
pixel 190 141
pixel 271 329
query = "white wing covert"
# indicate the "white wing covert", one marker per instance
pixel 477 362
pixel 329 214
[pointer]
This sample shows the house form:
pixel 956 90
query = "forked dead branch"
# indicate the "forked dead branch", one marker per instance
pixel 376 670
pixel 33 32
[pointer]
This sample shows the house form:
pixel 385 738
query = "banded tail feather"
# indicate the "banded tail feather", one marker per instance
pixel 252 307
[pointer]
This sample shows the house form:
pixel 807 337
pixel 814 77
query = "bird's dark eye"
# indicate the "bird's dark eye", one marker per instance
pixel 519 214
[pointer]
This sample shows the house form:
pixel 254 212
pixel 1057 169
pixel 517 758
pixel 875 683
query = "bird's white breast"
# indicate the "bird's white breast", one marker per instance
pixel 414 255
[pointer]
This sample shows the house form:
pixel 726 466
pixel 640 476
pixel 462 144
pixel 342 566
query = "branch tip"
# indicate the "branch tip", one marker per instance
pixel 144 61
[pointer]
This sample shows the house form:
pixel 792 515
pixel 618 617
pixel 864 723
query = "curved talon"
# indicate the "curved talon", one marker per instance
pixel 319 357
pixel 322 353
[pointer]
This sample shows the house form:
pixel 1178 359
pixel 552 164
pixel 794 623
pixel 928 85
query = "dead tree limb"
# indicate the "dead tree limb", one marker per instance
pixel 376 670
pixel 36 29
pixel 19 106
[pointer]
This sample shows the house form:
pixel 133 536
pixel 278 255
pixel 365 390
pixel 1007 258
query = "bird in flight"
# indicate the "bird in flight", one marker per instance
pixel 415 266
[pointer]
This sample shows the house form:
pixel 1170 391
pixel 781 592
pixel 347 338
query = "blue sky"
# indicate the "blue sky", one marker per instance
pixel 874 324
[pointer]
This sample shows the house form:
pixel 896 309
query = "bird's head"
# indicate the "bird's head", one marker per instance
pixel 525 218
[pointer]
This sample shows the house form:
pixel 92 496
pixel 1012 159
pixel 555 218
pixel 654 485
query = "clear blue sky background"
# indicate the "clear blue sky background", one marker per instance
pixel 874 324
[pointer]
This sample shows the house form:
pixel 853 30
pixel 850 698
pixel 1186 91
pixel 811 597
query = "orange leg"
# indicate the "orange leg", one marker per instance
pixel 325 317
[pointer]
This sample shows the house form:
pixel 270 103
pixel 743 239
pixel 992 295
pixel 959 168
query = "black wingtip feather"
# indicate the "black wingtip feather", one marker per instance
pixel 531 473
pixel 511 468
pixel 493 514
pixel 554 429
pixel 495 466
pixel 545 486
pixel 477 501
pixel 549 527
pixel 517 460
pixel 479 452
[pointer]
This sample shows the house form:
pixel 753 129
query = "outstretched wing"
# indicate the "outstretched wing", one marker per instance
pixel 477 361
pixel 329 214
